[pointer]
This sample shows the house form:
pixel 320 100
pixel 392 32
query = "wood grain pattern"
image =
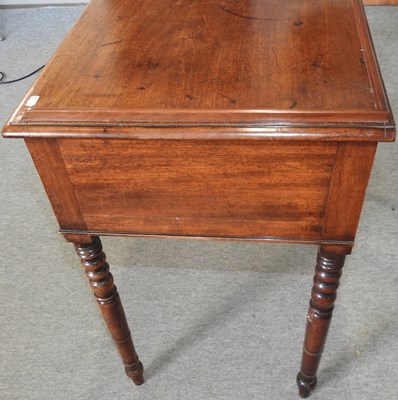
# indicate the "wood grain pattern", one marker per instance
pixel 54 176
pixel 377 132
pixel 348 188
pixel 244 65
pixel 200 117
pixel 210 55
pixel 201 188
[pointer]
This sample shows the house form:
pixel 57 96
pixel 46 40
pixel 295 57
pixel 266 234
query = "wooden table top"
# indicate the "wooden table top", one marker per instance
pixel 212 69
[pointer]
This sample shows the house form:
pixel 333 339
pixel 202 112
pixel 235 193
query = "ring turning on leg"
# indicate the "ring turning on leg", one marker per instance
pixel 101 281
pixel 326 281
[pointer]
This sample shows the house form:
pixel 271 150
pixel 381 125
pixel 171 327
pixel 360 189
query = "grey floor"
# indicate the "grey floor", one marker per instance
pixel 210 320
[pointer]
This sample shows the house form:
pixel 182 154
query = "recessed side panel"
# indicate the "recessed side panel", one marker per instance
pixel 201 188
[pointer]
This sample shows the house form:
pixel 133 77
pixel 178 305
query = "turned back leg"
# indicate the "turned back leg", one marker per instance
pixel 101 281
pixel 326 281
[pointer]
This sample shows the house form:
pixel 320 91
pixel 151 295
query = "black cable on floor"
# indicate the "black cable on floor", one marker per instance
pixel 2 75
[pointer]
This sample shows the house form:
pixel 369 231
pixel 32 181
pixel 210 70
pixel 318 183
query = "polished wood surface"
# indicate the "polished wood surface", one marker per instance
pixel 243 66
pixel 239 120
pixel 196 188
pixel 305 192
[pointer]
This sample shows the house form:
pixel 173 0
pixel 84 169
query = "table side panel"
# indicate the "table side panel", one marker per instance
pixel 201 188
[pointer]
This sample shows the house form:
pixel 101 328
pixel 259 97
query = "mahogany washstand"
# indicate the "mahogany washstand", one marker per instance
pixel 245 120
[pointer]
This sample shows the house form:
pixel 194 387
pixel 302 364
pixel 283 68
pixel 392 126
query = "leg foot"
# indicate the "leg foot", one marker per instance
pixel 305 385
pixel 101 281
pixel 136 373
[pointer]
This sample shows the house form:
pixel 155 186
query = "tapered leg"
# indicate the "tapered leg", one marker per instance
pixel 97 270
pixel 326 281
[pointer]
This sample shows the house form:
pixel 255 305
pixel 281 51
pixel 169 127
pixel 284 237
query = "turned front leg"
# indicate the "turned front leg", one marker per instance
pixel 101 281
pixel 326 281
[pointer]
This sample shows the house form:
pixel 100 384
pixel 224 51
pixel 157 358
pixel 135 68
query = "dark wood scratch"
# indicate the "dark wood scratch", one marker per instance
pixel 276 57
pixel 111 43
pixel 240 15
pixel 231 100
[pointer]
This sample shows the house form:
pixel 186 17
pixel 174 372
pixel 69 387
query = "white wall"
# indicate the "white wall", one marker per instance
pixel 38 2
